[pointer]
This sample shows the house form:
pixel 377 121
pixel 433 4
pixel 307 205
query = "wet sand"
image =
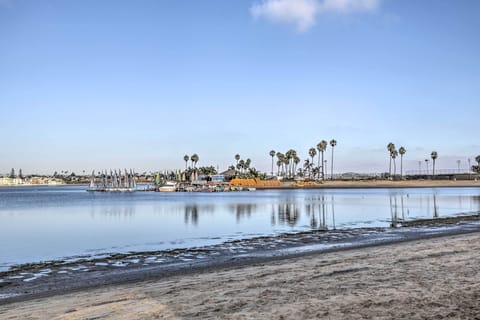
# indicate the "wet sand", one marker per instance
pixel 421 279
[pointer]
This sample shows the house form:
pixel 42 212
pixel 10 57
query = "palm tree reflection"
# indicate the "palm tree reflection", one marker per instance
pixel 435 208
pixel 243 210
pixel 288 212
pixel 191 213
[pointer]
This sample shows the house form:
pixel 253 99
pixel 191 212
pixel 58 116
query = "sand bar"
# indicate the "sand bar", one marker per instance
pixel 421 279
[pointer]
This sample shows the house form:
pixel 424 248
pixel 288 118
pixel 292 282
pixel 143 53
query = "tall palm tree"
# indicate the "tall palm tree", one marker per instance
pixel 293 154
pixel 279 164
pixel 194 159
pixel 390 148
pixel 321 147
pixel 394 155
pixel 289 157
pixel 186 158
pixel 241 165
pixel 272 154
pixel 434 156
pixel 237 157
pixel 296 161
pixel 286 162
pixel 248 162
pixel 312 153
pixel 307 166
pixel 402 151
pixel 280 157
pixel 333 143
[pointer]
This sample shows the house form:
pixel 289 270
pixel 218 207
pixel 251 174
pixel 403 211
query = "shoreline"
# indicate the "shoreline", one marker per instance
pixel 381 184
pixel 335 184
pixel 420 278
pixel 97 273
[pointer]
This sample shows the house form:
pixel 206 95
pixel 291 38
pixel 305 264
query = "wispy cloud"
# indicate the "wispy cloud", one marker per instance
pixel 349 6
pixel 303 13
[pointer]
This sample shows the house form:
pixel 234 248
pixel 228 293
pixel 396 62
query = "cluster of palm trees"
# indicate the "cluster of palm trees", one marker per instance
pixel 393 155
pixel 287 162
pixel 401 151
pixel 194 158
pixel 244 168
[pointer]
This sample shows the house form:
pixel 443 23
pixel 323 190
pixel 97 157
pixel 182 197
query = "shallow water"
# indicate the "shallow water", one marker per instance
pixel 45 223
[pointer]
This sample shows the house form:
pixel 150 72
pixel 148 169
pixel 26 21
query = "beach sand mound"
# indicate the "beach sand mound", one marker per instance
pixel 428 279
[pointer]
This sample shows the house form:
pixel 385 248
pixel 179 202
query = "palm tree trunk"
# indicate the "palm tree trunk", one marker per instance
pixel 318 164
pixel 323 171
pixel 401 166
pixel 390 168
pixel 331 171
pixel 272 166
pixel 311 169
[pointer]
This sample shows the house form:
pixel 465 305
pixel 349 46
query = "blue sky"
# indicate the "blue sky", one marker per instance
pixel 138 84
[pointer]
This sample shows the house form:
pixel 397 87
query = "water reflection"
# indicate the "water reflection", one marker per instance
pixel 243 210
pixel 62 220
pixel 191 214
pixel 288 212
pixel 317 209
pixel 113 211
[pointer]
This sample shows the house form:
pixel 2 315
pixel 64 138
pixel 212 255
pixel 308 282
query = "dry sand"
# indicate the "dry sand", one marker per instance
pixel 428 279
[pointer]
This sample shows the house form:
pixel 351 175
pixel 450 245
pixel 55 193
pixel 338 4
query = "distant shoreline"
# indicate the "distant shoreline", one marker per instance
pixel 335 184
pixel 380 184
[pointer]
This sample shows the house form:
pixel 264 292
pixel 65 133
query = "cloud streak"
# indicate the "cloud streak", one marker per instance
pixel 303 13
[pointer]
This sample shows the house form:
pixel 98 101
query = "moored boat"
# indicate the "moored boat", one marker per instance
pixel 168 186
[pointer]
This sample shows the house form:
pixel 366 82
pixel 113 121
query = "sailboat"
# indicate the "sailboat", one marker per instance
pixel 113 182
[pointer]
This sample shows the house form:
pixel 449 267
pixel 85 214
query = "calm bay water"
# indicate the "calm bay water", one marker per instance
pixel 45 223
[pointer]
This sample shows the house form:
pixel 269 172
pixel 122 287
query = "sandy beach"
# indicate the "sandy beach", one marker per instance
pixel 423 279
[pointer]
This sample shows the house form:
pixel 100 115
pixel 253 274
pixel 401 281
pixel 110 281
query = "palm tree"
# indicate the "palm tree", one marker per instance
pixel 248 162
pixel 312 153
pixel 279 164
pixel 296 161
pixel 186 158
pixel 394 155
pixel 477 158
pixel 272 154
pixel 241 165
pixel 402 151
pixel 237 157
pixel 286 162
pixel 194 159
pixel 307 166
pixel 293 154
pixel 321 147
pixel 390 148
pixel 333 143
pixel 280 157
pixel 289 156
pixel 434 156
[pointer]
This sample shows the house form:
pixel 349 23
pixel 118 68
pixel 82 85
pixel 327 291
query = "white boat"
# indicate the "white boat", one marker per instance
pixel 169 186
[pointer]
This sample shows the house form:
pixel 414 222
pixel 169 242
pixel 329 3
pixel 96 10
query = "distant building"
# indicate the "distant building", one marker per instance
pixel 218 178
